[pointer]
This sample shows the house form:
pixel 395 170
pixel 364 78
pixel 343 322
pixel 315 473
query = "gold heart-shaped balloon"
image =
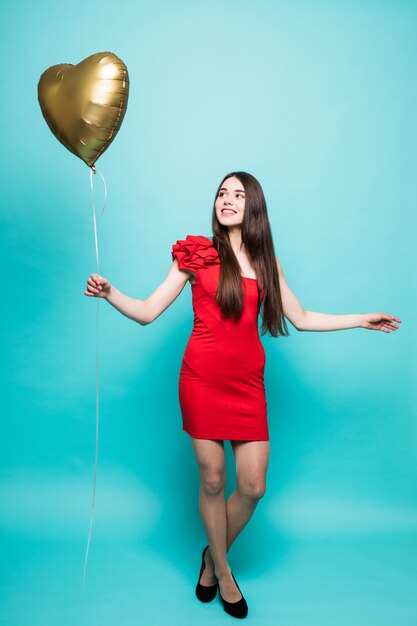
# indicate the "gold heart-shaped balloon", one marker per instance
pixel 84 105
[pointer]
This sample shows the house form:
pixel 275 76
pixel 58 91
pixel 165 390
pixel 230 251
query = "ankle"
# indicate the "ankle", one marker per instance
pixel 209 559
pixel 223 572
pixel 208 556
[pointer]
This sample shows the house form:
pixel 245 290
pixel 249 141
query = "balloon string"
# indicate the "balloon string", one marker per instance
pixel 97 394
pixel 94 209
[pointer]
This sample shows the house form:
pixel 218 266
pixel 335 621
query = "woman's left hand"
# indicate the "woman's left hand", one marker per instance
pixel 380 321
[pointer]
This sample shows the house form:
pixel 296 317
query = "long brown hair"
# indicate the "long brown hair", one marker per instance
pixel 257 238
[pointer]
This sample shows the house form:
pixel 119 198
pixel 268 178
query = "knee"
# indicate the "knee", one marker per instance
pixel 213 484
pixel 252 490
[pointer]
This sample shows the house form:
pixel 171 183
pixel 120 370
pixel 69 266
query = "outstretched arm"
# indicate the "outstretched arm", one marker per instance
pixel 313 321
pixel 142 311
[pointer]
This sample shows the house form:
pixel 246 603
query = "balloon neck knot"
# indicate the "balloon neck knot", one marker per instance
pixel 94 169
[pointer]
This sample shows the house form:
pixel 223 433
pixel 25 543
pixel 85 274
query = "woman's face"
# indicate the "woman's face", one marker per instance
pixel 230 202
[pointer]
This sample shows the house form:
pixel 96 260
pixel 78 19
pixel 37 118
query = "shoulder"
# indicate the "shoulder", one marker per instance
pixel 194 252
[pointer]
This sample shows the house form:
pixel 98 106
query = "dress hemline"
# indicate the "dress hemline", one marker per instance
pixel 224 438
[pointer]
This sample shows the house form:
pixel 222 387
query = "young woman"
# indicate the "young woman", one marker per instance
pixel 221 386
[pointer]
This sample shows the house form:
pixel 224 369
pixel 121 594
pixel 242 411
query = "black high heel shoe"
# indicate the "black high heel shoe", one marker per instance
pixel 204 593
pixel 236 609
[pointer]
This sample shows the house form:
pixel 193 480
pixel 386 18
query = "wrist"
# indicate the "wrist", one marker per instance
pixel 110 293
pixel 360 320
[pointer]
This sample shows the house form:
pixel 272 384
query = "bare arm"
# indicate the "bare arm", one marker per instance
pixel 328 321
pixel 313 321
pixel 142 311
pixel 310 320
pixel 293 309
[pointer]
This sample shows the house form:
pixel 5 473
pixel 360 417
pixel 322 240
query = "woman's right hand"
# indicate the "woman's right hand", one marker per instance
pixel 97 286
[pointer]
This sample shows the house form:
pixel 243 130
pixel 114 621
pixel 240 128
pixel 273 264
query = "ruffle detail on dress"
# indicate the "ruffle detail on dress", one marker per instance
pixel 194 252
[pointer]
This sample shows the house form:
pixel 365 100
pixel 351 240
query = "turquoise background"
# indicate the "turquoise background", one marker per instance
pixel 318 101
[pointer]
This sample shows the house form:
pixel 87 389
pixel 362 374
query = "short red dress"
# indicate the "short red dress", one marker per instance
pixel 221 382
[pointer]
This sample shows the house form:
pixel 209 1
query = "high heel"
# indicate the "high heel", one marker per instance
pixel 236 609
pixel 204 593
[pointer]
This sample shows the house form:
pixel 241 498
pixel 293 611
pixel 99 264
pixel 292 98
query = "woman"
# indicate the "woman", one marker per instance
pixel 221 385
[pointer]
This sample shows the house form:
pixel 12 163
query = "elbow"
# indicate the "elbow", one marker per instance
pixel 147 317
pixel 145 322
pixel 298 322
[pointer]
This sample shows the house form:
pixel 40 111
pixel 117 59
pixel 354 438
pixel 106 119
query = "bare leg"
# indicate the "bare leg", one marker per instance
pixel 224 521
pixel 211 464
pixel 251 466
pixel 252 459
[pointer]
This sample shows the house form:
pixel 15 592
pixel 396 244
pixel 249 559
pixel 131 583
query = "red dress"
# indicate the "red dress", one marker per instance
pixel 221 382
